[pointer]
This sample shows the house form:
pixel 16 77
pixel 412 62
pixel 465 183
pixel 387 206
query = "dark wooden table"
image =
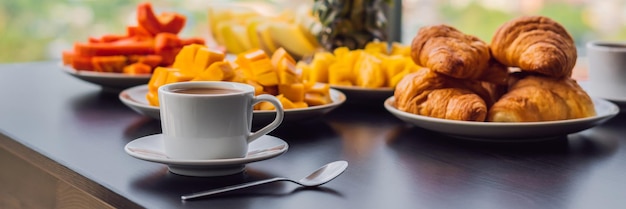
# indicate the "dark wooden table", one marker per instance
pixel 62 139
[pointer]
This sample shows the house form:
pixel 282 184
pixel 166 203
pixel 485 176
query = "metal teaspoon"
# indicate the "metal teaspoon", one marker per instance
pixel 321 176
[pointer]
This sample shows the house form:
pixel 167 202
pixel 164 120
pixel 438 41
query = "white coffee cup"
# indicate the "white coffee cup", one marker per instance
pixel 607 69
pixel 210 120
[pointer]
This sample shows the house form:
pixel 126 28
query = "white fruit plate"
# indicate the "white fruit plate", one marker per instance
pixel 108 81
pixel 135 98
pixel 364 95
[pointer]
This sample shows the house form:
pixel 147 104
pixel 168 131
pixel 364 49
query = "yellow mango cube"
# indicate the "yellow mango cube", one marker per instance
pixel 158 78
pixel 271 90
pixel 293 92
pixel 319 88
pixel 185 57
pixel 246 58
pixel 215 72
pixel 265 106
pixel 227 69
pixel 153 98
pixel 177 76
pixel 238 76
pixel 250 56
pixel 204 58
pixel 303 70
pixel 264 72
pixel 280 54
pixel 286 72
pixel 300 104
pixel 258 88
pixel 314 99
pixel 287 104
pixel 255 54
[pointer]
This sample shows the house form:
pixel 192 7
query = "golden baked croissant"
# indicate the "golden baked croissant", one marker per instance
pixel 535 44
pixel 432 94
pixel 540 98
pixel 448 51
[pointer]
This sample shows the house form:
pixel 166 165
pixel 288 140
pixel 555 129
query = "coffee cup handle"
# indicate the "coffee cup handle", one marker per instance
pixel 277 120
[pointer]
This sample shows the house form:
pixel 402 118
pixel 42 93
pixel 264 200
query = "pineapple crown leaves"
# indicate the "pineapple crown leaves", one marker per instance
pixel 350 23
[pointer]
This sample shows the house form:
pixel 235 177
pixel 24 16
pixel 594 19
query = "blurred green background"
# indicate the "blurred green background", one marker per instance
pixel 35 30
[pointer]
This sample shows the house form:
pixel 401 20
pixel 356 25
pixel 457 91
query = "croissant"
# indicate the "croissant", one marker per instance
pixel 535 44
pixel 448 51
pixel 432 94
pixel 540 98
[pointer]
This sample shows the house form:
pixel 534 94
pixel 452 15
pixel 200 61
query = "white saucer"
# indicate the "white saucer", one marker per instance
pixel 150 148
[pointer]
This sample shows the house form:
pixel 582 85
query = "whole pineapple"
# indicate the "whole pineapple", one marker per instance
pixel 350 23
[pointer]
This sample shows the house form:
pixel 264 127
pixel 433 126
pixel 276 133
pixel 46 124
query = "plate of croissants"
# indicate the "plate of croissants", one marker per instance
pixel 517 88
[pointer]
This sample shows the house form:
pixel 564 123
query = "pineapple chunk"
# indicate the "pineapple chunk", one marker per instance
pixel 399 49
pixel 341 52
pixel 409 68
pixel 341 74
pixel 393 65
pixel 319 67
pixel 377 47
pixel 371 75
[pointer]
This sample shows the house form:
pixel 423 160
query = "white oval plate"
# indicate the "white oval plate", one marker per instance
pixel 150 148
pixel 507 131
pixel 135 98
pixel 108 81
pixel 365 95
